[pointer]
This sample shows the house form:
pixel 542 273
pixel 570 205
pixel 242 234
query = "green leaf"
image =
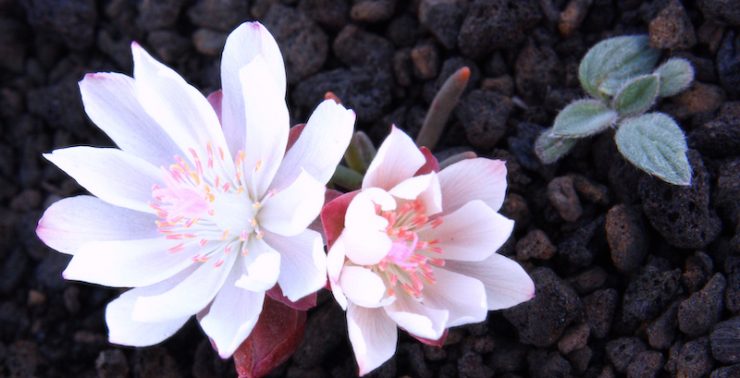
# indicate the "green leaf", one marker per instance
pixel 654 143
pixel 637 95
pixel 609 63
pixel 583 118
pixel 549 148
pixel 676 74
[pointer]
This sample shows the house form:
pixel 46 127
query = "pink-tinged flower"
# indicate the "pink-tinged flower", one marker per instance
pixel 201 209
pixel 417 249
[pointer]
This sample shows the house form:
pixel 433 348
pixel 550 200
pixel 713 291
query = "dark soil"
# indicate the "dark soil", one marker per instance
pixel 634 276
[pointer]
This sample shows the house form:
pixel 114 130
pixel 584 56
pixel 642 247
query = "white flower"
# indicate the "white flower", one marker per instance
pixel 418 250
pixel 201 209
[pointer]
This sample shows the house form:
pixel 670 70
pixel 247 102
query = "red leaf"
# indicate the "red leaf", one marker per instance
pixel 304 304
pixel 293 135
pixel 332 216
pixel 273 340
pixel 431 165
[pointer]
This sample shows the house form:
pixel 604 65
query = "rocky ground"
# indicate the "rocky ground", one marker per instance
pixel 634 277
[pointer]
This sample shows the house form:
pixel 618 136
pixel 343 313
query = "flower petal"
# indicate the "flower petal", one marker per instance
pixel 362 286
pixel 425 187
pixel 124 330
pixel 186 298
pixel 291 210
pixel 180 109
pixel 302 265
pixel 397 159
pixel 462 296
pixel 267 125
pixel 333 214
pixel 232 315
pixel 261 266
pixel 334 264
pixel 373 336
pixel 246 42
pixel 471 233
pixel 112 175
pixel 473 179
pixel 366 246
pixel 418 319
pixel 321 145
pixel 110 102
pixel 130 263
pixel 506 283
pixel 69 223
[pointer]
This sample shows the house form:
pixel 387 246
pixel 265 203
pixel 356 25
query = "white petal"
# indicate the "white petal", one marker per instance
pixel 321 145
pixel 361 212
pixel 425 187
pixel 188 297
pixel 473 179
pixel 112 175
pixel 302 264
pixel 365 239
pixel 232 316
pixel 246 42
pixel 373 336
pixel 362 286
pixel 366 246
pixel 129 263
pixel 268 125
pixel 397 159
pixel 290 211
pixel 261 266
pixel 471 233
pixel 69 223
pixel 110 102
pixel 506 283
pixel 462 296
pixel 334 264
pixel 416 318
pixel 180 109
pixel 124 330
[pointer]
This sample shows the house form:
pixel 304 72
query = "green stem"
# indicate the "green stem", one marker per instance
pixel 441 108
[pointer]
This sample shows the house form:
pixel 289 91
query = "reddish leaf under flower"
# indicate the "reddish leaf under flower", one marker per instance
pixel 332 216
pixel 304 304
pixel 431 164
pixel 273 340
pixel 435 343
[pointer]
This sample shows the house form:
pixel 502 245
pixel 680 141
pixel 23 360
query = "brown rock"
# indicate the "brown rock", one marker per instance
pixel 563 197
pixel 536 245
pixel 625 232
pixel 671 28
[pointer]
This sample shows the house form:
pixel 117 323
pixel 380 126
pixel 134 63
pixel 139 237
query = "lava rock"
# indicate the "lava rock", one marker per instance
pixel 158 14
pixel 59 105
pixel 536 245
pixel 496 24
pixel 112 363
pixel 403 31
pixel 221 15
pixel 698 313
pixel 661 331
pixel 483 114
pixel 649 292
pixel 443 19
pixel 168 45
pixel 725 341
pixel 155 362
pixel 599 308
pixel 580 358
pixel 209 42
pixel 325 330
pixel 357 47
pixel 646 364
pixel 12 45
pixel 537 68
pixel 426 61
pixel 563 197
pixel 719 137
pixel 681 214
pixel 728 62
pixel 332 14
pixel 372 10
pixel 24 359
pixel 697 270
pixel 72 22
pixel 515 207
pixel 303 44
pixel 726 372
pixel 544 365
pixel 588 280
pixel 724 11
pixel 590 190
pixel 694 359
pixel 671 28
pixel 471 365
pixel 522 144
pixel 622 351
pixel 402 67
pixel 625 232
pixel 732 294
pixel 507 357
pixel 575 337
pixel 13 269
pixel 574 250
pixel 542 320
pixel 698 99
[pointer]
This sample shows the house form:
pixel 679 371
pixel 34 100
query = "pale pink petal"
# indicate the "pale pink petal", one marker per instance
pixel 267 127
pixel 397 159
pixel 471 233
pixel 180 109
pixel 416 318
pixel 362 286
pixel 506 283
pixel 110 174
pixel 365 239
pixel 321 145
pixel 110 102
pixel 473 179
pixel 292 209
pixel 334 264
pixel 130 263
pixel 216 101
pixel 426 188
pixel 247 41
pixel 462 296
pixel 302 264
pixel 361 212
pixel 366 246
pixel 124 330
pixel 69 223
pixel 231 316
pixel 373 336
pixel 190 296
pixel 261 266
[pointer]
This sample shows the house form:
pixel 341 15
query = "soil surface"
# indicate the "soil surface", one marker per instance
pixel 634 277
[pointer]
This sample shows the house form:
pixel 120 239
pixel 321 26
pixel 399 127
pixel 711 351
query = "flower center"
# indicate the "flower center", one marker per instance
pixel 206 204
pixel 409 262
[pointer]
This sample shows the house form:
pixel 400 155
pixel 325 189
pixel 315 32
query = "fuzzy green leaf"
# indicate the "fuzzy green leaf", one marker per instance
pixel 583 118
pixel 637 95
pixel 676 74
pixel 549 148
pixel 654 143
